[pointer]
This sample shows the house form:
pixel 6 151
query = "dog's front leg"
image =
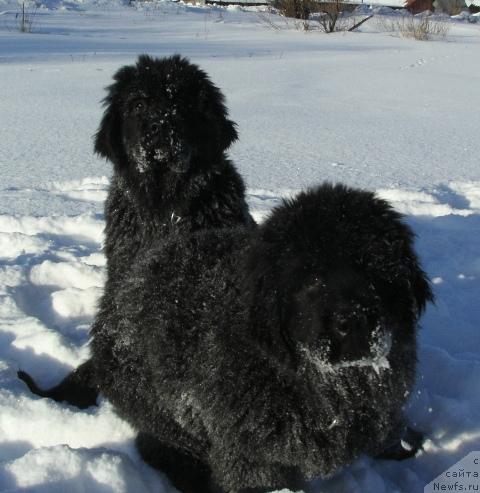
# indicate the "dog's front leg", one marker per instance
pixel 236 472
pixel 188 473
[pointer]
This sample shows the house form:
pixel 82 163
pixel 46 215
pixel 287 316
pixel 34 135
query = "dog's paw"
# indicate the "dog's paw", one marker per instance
pixel 405 447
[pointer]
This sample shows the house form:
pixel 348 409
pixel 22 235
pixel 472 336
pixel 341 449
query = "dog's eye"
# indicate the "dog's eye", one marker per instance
pixel 138 106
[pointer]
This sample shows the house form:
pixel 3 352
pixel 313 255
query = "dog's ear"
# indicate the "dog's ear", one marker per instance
pixel 405 266
pixel 108 140
pixel 401 280
pixel 211 103
pixel 420 285
pixel 228 133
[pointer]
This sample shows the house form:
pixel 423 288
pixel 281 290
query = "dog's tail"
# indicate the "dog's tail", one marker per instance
pixel 77 388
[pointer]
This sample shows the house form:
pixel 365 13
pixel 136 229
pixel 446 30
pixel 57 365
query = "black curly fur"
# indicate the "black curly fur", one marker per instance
pixel 252 359
pixel 165 129
pixel 249 351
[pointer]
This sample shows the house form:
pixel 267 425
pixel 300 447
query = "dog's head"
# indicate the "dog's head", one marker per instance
pixel 163 116
pixel 336 268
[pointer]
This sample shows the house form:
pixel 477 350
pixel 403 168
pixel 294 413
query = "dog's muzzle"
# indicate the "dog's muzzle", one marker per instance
pixel 150 155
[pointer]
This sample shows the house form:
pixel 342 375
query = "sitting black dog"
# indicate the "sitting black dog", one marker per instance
pixel 165 130
pixel 248 358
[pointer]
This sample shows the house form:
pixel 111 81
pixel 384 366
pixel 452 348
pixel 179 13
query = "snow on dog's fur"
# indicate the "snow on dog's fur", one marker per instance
pixel 246 358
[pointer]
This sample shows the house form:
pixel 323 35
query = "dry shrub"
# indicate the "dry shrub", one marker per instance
pixel 326 16
pixel 26 17
pixel 420 27
pixel 335 16
pixel 298 9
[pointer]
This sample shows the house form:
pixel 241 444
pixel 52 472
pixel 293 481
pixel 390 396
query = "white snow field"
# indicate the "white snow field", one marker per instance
pixel 366 108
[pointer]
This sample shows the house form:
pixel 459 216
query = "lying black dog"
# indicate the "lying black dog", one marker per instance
pixel 260 359
pixel 256 359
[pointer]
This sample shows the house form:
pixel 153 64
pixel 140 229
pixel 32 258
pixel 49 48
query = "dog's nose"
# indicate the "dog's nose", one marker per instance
pixel 348 325
pixel 350 336
pixel 154 127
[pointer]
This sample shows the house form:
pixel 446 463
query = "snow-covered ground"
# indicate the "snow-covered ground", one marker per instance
pixel 366 108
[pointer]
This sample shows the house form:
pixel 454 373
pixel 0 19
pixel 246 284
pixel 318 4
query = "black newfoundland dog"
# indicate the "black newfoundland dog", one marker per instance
pixel 248 359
